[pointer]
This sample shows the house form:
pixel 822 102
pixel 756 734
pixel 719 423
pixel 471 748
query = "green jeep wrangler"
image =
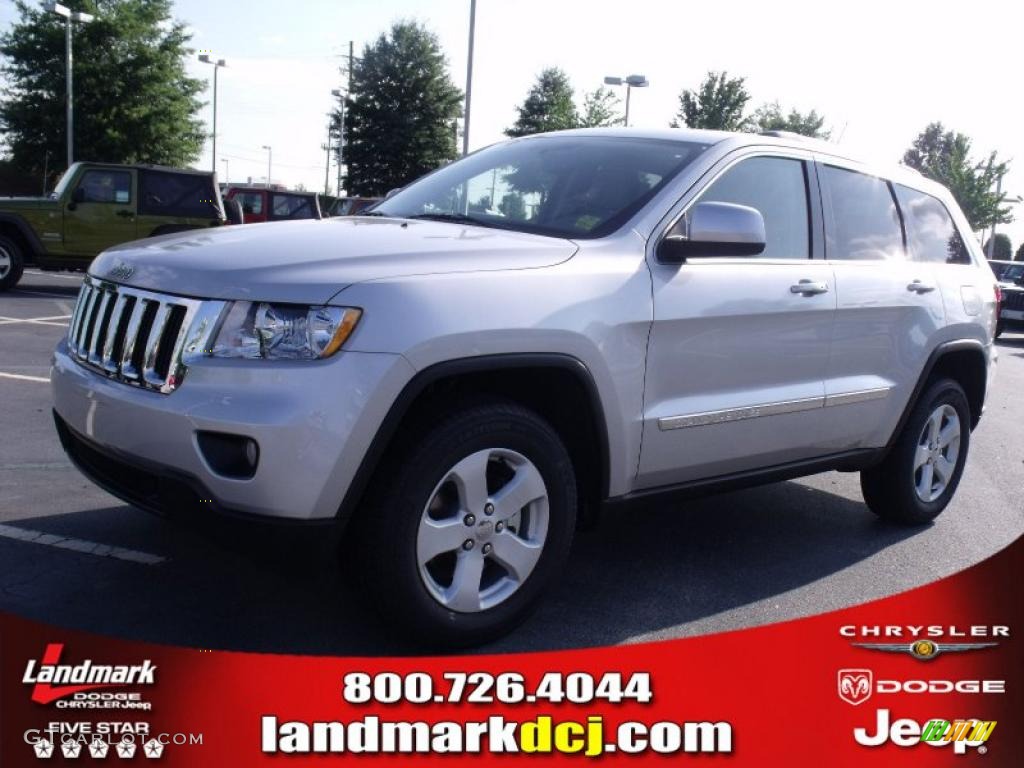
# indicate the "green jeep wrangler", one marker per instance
pixel 97 205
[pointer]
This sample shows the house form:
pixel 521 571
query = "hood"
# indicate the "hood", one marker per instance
pixel 310 261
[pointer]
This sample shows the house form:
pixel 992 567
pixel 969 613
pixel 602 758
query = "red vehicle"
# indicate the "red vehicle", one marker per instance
pixel 274 204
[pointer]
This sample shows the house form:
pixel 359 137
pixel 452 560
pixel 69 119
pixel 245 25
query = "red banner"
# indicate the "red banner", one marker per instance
pixel 929 677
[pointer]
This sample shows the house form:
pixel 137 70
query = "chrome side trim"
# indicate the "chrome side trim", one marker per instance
pixel 706 418
pixel 859 396
pixel 739 414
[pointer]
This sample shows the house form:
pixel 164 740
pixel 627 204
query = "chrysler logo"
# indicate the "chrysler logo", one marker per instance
pixel 121 271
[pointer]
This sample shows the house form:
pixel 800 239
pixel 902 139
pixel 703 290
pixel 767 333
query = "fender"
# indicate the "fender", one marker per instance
pixel 35 244
pixel 462 366
pixel 929 366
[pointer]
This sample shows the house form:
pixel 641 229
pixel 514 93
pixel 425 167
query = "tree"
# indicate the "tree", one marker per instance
pixel 548 106
pixel 770 117
pixel 401 112
pixel 600 109
pixel 944 156
pixel 1020 253
pixel 1002 249
pixel 719 104
pixel 134 102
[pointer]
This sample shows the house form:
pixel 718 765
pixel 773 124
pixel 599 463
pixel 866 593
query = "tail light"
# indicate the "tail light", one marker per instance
pixel 999 295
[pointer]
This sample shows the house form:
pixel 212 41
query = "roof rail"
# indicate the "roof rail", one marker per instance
pixel 785 135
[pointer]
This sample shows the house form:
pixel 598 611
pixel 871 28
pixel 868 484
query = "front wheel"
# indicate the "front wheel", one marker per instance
pixel 12 263
pixel 918 478
pixel 469 526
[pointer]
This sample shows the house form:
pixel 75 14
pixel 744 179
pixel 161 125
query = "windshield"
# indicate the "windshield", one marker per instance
pixel 62 185
pixel 1012 274
pixel 567 186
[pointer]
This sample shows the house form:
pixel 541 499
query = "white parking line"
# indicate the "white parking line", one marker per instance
pixel 51 274
pixel 79 545
pixel 23 377
pixel 36 320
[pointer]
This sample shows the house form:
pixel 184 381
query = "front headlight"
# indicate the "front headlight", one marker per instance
pixel 257 330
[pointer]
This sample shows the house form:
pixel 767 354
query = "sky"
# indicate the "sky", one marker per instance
pixel 879 71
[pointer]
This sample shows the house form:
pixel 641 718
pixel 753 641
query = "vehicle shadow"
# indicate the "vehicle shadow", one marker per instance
pixel 642 571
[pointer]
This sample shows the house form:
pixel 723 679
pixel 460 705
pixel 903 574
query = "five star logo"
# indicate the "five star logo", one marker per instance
pixel 71 749
pixel 126 749
pixel 43 749
pixel 153 748
pixel 99 748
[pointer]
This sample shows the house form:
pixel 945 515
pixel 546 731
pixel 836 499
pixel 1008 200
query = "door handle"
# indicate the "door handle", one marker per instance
pixel 126 214
pixel 920 287
pixel 809 287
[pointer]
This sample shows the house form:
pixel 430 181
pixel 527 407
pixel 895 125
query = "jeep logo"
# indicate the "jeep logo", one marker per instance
pixel 121 271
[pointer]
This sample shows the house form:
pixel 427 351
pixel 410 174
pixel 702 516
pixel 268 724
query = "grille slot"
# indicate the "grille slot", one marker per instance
pixel 137 337
pixel 1013 300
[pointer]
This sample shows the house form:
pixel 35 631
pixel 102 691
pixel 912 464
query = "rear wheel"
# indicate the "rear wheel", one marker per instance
pixel 12 263
pixel 922 471
pixel 469 525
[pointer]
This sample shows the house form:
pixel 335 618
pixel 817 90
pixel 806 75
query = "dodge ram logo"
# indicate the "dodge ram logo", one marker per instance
pixel 121 271
pixel 855 685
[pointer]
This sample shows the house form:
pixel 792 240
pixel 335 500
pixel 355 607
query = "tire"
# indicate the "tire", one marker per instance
pixel 909 487
pixel 431 498
pixel 12 263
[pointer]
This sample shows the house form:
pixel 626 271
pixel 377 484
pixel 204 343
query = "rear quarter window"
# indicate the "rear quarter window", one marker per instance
pixel 182 195
pixel 930 229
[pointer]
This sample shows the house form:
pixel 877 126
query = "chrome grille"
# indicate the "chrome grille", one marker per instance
pixel 1013 300
pixel 139 337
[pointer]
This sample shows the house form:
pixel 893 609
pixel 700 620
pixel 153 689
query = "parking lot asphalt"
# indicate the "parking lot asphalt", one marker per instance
pixel 74 556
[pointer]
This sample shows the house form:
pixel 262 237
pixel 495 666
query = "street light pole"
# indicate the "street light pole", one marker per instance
pixel 270 158
pixel 205 58
pixel 337 93
pixel 631 82
pixel 227 170
pixel 69 17
pixel 469 77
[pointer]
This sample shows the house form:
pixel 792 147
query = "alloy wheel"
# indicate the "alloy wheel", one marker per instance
pixel 938 448
pixel 483 530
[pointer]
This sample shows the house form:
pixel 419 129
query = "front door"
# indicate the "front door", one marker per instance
pixel 101 212
pixel 739 346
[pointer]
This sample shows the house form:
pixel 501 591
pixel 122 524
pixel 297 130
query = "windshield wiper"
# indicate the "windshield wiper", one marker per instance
pixel 455 218
pixel 370 213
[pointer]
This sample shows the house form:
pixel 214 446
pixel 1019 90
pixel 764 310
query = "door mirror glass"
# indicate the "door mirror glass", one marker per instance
pixel 714 229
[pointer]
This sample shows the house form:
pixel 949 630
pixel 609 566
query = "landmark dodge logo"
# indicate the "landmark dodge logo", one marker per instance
pixel 53 680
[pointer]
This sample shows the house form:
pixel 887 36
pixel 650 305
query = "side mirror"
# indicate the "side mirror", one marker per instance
pixel 77 196
pixel 714 229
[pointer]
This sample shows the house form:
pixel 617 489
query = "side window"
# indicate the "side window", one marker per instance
pixel 933 235
pixel 185 195
pixel 99 186
pixel 292 207
pixel 865 220
pixel 777 187
pixel 251 202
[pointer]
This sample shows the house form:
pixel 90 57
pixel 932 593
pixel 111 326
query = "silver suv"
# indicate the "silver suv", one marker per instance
pixel 547 326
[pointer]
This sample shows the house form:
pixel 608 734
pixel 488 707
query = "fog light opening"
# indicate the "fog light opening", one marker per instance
pixel 234 456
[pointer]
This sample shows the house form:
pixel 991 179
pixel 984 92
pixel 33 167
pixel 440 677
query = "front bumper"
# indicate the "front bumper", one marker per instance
pixel 313 423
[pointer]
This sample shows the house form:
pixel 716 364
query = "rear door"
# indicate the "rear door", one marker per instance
pixel 101 211
pixel 737 353
pixel 889 308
